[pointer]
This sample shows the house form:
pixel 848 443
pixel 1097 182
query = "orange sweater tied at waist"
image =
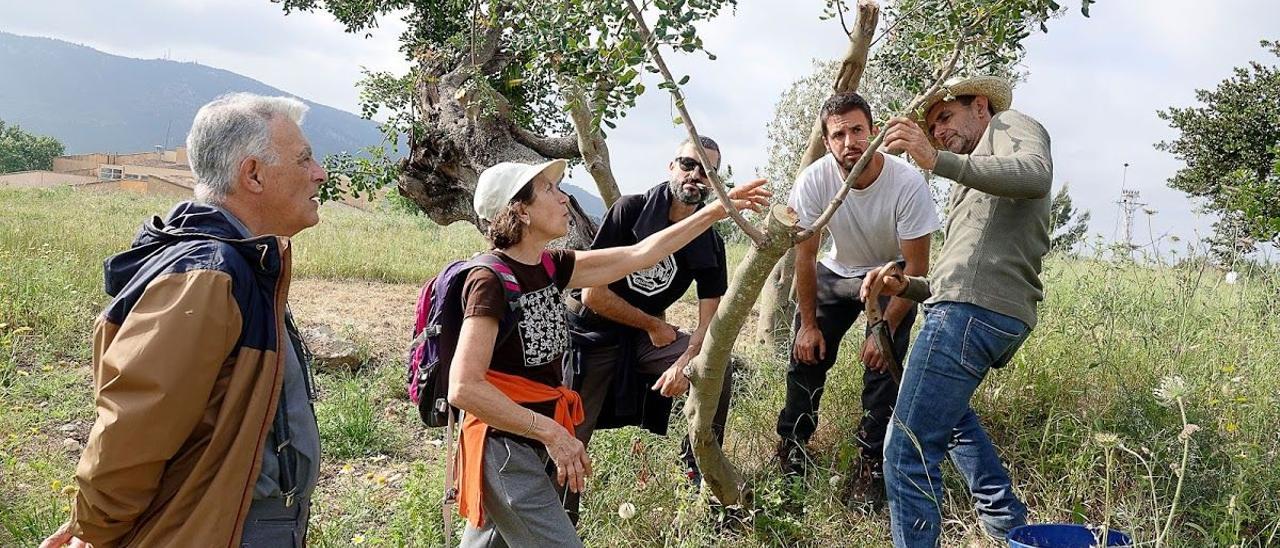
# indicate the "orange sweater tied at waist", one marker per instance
pixel 568 413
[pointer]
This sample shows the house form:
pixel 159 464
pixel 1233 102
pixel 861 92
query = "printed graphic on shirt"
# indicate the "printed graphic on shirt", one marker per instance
pixel 655 279
pixel 543 332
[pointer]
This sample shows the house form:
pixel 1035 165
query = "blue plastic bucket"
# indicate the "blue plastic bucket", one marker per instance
pixel 1062 535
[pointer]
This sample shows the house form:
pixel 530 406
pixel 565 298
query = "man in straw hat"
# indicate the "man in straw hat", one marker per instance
pixel 980 300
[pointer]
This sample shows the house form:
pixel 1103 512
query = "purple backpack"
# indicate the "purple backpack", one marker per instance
pixel 438 323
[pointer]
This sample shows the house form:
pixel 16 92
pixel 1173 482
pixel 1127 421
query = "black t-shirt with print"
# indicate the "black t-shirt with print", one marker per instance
pixel 655 289
pixel 536 347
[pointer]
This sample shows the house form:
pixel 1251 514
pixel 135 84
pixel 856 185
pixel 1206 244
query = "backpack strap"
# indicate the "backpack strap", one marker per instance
pixel 549 265
pixel 510 286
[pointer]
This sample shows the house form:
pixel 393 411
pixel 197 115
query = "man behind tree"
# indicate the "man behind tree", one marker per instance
pixel 632 361
pixel 888 216
pixel 980 301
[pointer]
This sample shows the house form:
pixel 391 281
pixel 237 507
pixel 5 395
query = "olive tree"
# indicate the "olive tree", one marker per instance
pixel 500 80
pixel 926 42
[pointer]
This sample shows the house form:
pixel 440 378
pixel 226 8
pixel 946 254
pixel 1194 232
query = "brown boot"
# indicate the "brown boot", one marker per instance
pixel 866 488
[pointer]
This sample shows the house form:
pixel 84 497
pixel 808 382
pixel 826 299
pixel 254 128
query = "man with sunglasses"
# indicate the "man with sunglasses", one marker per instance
pixel 887 216
pixel 631 361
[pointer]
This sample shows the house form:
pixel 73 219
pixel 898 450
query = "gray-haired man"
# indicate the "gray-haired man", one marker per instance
pixel 205 434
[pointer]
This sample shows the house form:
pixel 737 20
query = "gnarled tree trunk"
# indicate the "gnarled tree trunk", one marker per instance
pixel 467 127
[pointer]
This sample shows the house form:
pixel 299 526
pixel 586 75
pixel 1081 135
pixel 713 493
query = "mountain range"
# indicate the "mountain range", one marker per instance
pixel 93 101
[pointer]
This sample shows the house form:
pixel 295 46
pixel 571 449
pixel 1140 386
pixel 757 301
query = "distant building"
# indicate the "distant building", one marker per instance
pixel 159 173
pixel 163 172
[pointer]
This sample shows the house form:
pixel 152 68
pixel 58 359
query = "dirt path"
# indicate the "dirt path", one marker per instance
pixel 378 314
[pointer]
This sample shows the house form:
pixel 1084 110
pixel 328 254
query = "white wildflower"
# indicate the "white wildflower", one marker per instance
pixel 627 510
pixel 1106 439
pixel 1172 388
pixel 1232 277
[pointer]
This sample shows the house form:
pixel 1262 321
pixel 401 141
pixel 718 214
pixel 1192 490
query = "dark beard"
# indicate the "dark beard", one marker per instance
pixel 692 198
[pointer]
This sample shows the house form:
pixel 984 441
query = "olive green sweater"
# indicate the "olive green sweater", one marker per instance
pixel 997 227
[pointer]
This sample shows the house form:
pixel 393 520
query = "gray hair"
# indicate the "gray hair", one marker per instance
pixel 228 130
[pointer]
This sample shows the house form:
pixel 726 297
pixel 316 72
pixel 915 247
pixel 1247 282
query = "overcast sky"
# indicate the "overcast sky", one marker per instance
pixel 1095 83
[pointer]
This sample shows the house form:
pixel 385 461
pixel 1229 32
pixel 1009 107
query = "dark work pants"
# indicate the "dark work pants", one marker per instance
pixel 271 524
pixel 597 375
pixel 838 306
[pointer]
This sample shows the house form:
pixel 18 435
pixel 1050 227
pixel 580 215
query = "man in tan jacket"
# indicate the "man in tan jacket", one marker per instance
pixel 205 432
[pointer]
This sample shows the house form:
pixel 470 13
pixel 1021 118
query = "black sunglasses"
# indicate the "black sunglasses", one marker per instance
pixel 690 164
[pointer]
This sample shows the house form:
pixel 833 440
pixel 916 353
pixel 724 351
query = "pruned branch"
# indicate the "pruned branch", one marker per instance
pixel 551 147
pixel 851 69
pixel 943 74
pixel 750 230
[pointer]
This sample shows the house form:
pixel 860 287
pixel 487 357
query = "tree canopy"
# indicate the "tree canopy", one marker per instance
pixel 23 151
pixel 1230 145
pixel 502 80
pixel 1067 225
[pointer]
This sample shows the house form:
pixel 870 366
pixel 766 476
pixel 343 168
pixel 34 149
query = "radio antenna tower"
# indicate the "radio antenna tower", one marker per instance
pixel 1129 205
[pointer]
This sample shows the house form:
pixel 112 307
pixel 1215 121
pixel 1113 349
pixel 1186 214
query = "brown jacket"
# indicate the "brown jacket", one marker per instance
pixel 187 374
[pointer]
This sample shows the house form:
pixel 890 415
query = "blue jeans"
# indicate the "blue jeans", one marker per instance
pixel 957 346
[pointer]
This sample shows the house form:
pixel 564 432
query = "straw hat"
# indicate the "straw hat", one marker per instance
pixel 996 90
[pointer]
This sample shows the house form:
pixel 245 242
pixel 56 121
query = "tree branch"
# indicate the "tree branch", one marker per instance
pixel 591 144
pixel 750 230
pixel 851 69
pixel 551 147
pixel 943 74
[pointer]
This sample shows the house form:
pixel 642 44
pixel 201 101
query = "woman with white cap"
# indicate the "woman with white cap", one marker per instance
pixel 519 414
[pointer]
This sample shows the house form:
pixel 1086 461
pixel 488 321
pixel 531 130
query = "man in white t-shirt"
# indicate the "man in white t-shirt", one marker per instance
pixel 887 216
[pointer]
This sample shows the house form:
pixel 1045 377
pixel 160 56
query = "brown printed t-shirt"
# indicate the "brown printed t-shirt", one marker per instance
pixel 536 348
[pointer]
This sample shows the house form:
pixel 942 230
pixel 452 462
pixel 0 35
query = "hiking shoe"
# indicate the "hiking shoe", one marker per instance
pixel 866 488
pixel 792 458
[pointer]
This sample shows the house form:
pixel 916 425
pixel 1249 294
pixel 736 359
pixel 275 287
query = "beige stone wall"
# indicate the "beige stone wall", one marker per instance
pixel 161 187
pixel 42 179
pixel 78 164
pixel 177 155
pixel 100 186
pixel 159 171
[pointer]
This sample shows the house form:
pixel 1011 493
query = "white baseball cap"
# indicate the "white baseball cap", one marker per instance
pixel 500 183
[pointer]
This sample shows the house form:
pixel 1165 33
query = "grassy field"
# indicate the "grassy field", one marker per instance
pixel 1076 416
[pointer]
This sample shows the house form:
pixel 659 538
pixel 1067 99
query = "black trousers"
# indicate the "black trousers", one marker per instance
pixel 598 366
pixel 838 306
